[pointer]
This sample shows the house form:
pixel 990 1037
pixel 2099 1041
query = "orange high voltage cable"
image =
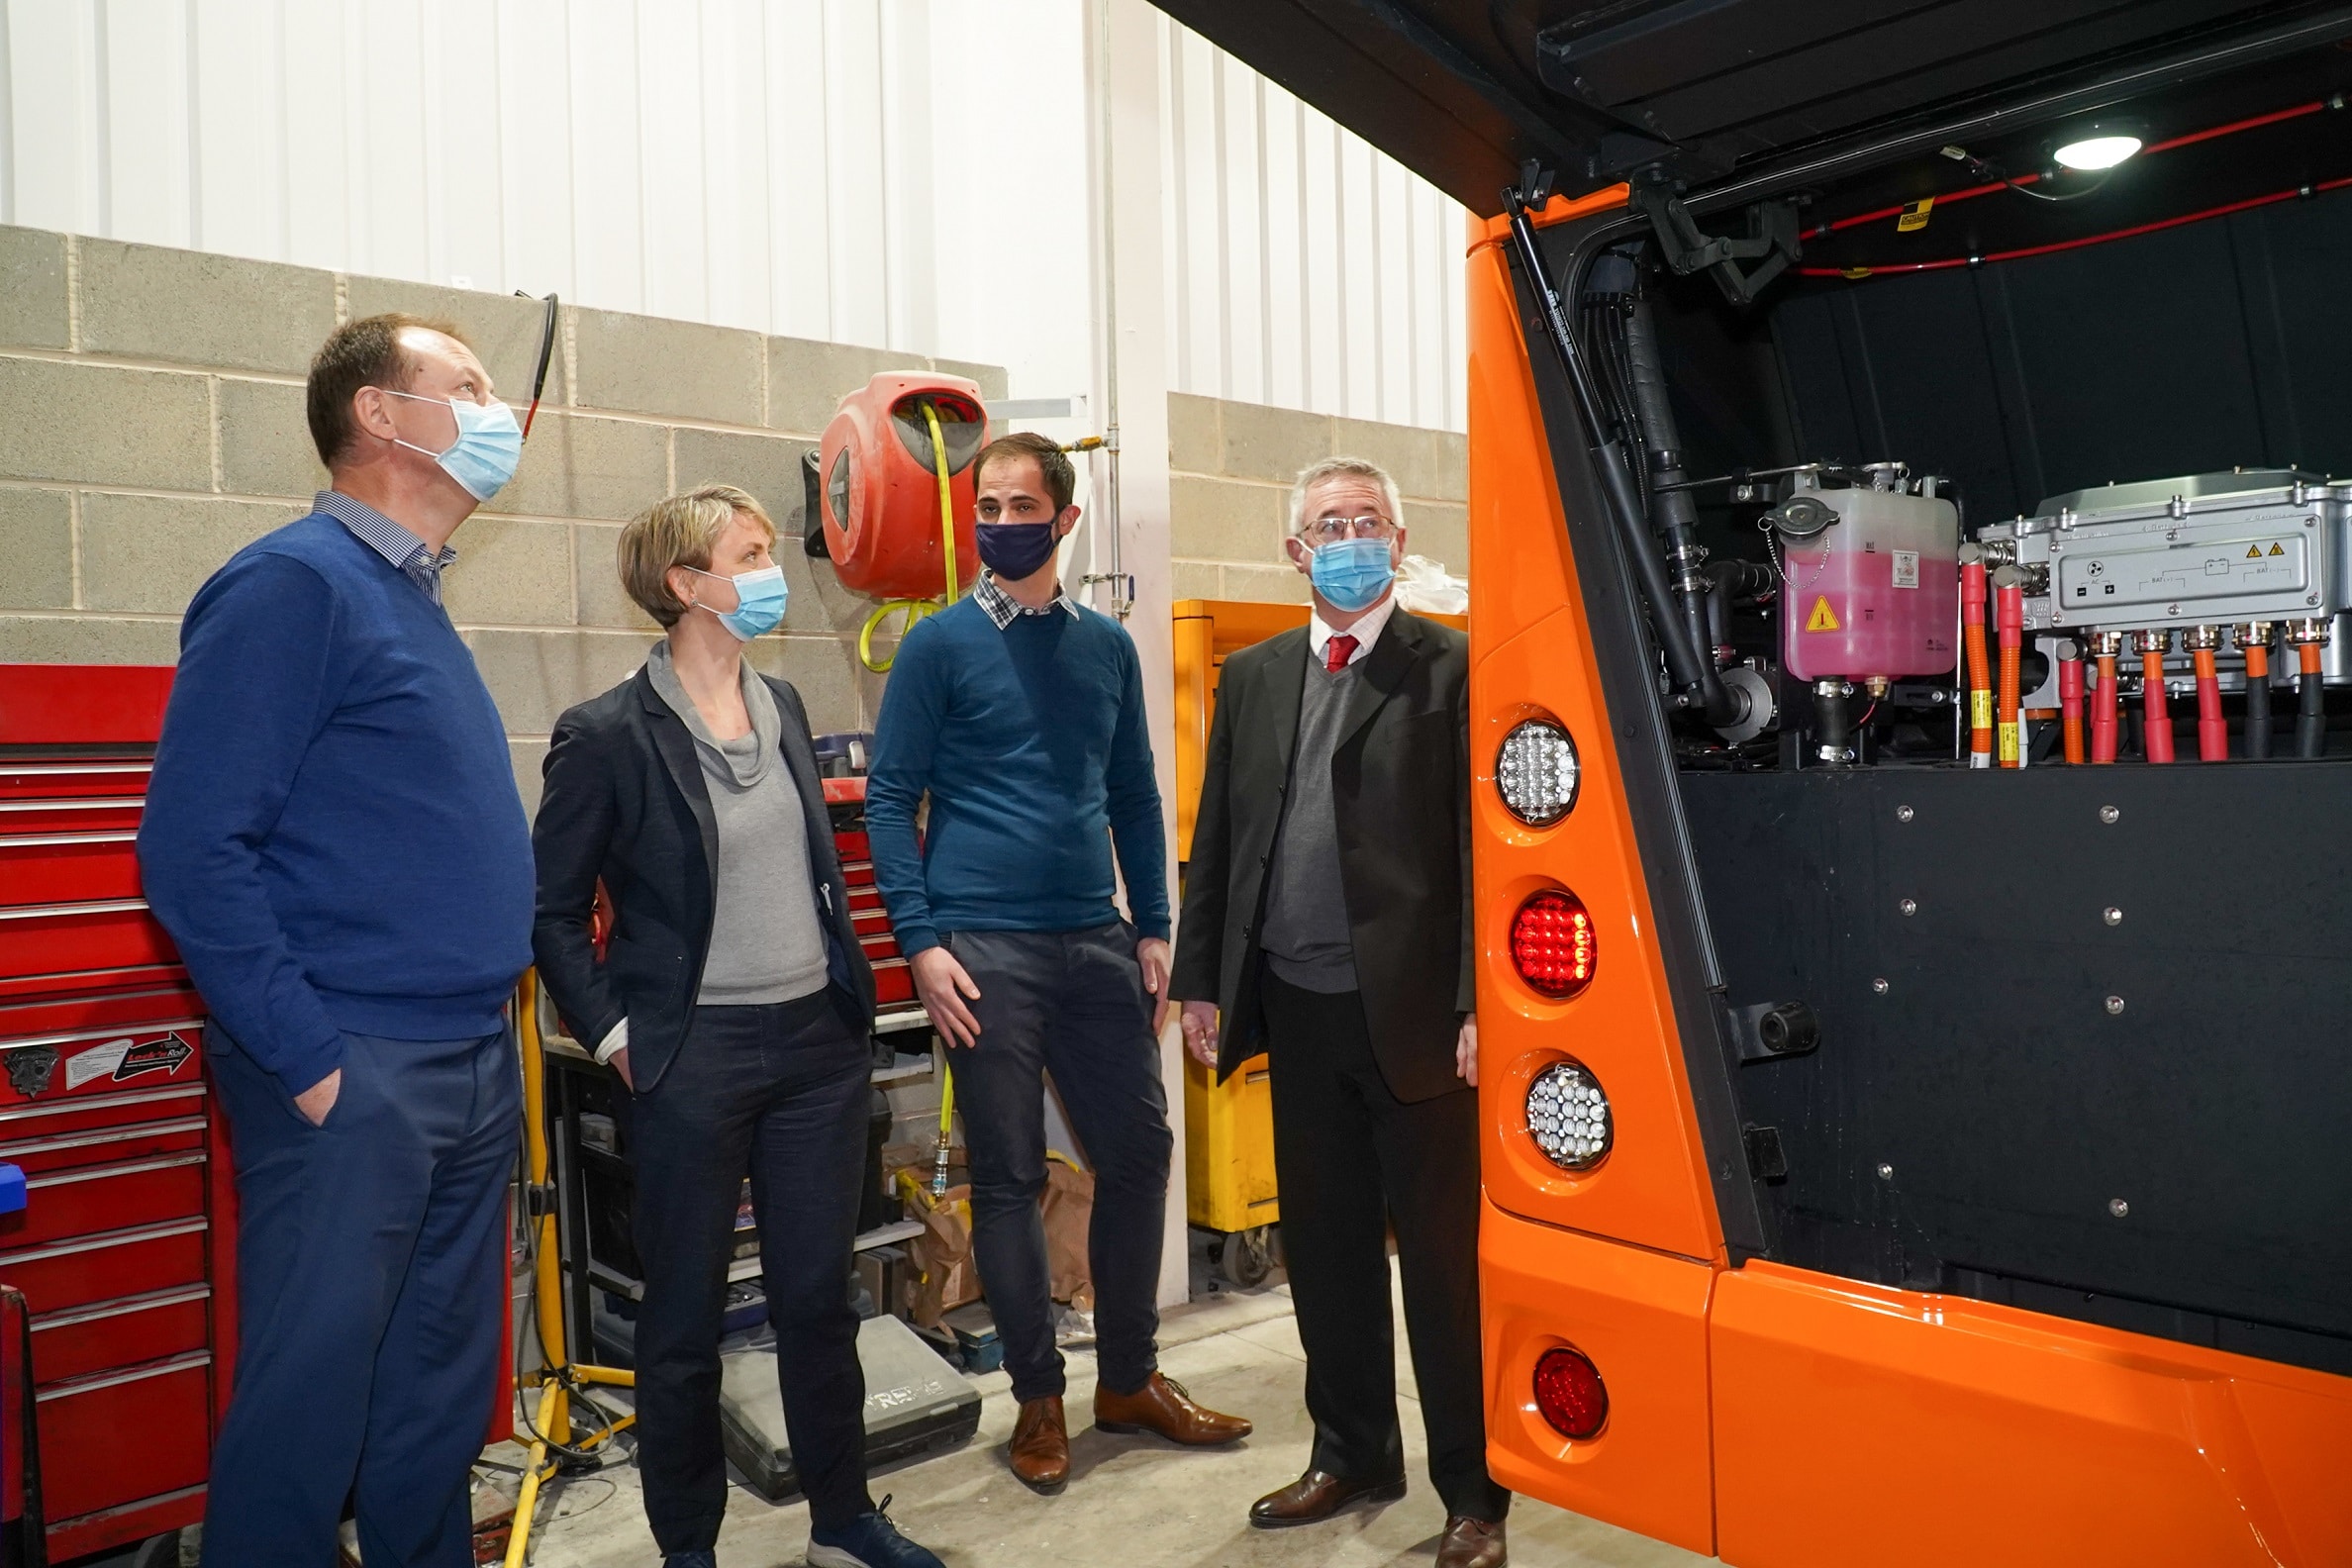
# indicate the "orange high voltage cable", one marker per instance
pixel 2311 718
pixel 2009 595
pixel 2213 731
pixel 2107 716
pixel 1980 672
pixel 2070 698
pixel 2156 724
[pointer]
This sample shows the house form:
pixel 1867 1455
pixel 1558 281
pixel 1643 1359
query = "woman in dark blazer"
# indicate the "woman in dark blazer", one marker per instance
pixel 735 1003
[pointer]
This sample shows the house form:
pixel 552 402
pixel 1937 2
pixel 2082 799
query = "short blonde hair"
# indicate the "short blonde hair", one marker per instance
pixel 1343 469
pixel 680 531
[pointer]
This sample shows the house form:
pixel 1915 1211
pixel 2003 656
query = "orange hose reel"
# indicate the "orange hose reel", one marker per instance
pixel 879 484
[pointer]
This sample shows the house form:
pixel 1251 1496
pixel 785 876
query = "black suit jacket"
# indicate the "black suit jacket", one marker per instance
pixel 625 802
pixel 1401 780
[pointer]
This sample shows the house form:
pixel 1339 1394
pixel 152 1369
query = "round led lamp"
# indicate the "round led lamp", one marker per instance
pixel 1570 1393
pixel 1568 1115
pixel 1536 772
pixel 1553 946
pixel 2099 146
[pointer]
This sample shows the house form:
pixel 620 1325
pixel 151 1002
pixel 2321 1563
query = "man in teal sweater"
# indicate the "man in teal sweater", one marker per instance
pixel 1022 717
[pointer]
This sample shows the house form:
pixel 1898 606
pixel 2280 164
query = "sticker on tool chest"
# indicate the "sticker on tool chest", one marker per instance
pixel 127 1059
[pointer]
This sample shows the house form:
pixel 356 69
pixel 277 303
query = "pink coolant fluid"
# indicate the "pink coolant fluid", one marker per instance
pixel 1876 592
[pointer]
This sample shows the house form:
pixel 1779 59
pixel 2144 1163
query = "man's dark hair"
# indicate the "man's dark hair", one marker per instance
pixel 1061 478
pixel 362 354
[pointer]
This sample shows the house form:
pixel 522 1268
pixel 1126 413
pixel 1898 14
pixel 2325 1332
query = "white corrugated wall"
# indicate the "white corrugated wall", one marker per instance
pixel 909 173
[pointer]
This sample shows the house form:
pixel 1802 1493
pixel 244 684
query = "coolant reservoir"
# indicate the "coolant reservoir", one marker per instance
pixel 1876 592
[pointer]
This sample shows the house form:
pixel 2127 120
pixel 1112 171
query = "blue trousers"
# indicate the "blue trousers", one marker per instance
pixel 370 1270
pixel 1072 1004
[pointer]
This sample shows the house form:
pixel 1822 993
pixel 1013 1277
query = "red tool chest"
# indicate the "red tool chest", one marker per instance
pixel 125 1250
pixel 894 981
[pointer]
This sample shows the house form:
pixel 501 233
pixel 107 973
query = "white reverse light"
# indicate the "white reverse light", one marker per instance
pixel 1536 771
pixel 2094 153
pixel 1568 1115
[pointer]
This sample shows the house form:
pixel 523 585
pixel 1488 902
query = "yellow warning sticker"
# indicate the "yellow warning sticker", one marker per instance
pixel 1854 274
pixel 2253 552
pixel 2277 549
pixel 2007 744
pixel 1823 619
pixel 1979 709
pixel 1914 216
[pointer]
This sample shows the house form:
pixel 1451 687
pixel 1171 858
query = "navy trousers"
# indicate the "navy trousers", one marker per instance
pixel 778 1093
pixel 1073 1003
pixel 370 1267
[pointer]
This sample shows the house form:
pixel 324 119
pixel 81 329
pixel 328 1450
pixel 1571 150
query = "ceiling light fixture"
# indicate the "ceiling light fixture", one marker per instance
pixel 2102 145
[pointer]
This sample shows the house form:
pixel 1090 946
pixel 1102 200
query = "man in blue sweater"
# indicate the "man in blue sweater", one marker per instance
pixel 333 839
pixel 1022 717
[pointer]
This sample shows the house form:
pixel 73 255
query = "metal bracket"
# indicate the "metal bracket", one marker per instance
pixel 1773 236
pixel 1769 1031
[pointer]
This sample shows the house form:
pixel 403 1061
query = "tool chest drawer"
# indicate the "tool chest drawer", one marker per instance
pixel 41 868
pixel 62 1204
pixel 70 813
pixel 107 1267
pixel 105 1336
pixel 72 777
pixel 80 933
pixel 120 1435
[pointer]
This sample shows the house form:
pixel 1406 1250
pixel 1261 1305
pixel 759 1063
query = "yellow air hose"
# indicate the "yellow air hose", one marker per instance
pixel 917 609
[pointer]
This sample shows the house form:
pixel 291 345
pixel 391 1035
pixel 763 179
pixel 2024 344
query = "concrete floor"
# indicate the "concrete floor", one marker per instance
pixel 1133 1502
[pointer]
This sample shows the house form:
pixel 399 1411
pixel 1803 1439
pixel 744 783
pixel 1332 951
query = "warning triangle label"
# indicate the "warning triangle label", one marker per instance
pixel 2253 552
pixel 2277 549
pixel 1823 619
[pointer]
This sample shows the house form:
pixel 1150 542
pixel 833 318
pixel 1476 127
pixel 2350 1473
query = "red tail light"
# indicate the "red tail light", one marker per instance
pixel 1569 1392
pixel 1552 944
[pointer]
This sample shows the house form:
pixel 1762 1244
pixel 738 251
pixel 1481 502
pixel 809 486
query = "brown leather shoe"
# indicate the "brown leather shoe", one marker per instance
pixel 1041 1444
pixel 1472 1544
pixel 1161 1406
pixel 1316 1497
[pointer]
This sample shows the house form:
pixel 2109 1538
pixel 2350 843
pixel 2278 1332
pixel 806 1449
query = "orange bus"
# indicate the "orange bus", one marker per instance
pixel 1908 620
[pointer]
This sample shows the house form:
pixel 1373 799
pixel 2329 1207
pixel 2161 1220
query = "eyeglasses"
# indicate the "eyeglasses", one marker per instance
pixel 1330 530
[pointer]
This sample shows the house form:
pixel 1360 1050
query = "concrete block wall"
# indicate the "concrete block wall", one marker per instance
pixel 152 424
pixel 1231 465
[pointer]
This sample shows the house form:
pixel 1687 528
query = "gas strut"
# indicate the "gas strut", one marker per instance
pixel 1684 661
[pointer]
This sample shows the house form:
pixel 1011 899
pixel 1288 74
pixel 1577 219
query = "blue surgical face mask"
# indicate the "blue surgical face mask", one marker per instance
pixel 1352 573
pixel 488 446
pixel 1015 551
pixel 760 597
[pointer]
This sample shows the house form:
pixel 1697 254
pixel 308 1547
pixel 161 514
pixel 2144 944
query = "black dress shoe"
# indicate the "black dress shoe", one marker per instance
pixel 1317 1496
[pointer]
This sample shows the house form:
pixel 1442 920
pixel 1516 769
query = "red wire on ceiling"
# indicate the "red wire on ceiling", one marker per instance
pixel 1858 273
pixel 1880 214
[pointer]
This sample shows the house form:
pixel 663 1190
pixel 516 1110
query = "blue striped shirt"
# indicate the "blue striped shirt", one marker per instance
pixel 389 540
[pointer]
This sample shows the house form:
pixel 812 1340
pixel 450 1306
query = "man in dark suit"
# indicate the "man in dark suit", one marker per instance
pixel 1326 918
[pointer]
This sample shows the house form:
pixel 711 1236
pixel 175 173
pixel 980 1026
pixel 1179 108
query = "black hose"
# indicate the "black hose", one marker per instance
pixel 1674 513
pixel 2311 717
pixel 1727 582
pixel 1833 732
pixel 1604 443
pixel 2258 715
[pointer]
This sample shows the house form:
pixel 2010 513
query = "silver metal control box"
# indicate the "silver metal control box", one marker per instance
pixel 2207 550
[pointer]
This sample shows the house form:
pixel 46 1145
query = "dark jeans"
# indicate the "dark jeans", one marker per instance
pixel 1352 1159
pixel 371 1272
pixel 1071 1003
pixel 778 1093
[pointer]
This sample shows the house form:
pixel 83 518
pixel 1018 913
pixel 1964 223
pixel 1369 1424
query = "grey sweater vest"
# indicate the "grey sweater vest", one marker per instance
pixel 1305 935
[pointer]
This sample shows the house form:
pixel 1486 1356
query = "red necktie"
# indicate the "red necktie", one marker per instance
pixel 1338 651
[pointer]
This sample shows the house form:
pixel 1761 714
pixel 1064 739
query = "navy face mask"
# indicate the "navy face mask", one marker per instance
pixel 1015 551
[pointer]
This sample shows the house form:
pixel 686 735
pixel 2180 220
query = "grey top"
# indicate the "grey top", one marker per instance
pixel 767 943
pixel 1306 936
